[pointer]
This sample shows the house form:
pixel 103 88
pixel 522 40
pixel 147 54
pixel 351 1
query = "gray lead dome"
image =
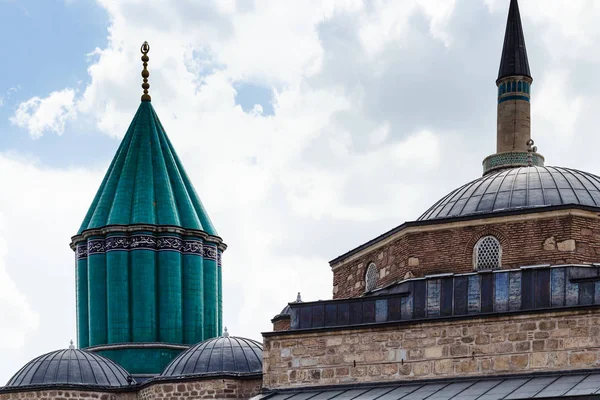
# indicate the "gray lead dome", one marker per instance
pixel 70 367
pixel 518 188
pixel 229 356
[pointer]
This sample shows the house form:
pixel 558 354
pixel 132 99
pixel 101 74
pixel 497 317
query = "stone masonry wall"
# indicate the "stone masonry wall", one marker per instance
pixel 567 340
pixel 554 238
pixel 203 389
pixel 66 395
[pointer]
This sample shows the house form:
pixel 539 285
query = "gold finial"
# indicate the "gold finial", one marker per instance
pixel 145 74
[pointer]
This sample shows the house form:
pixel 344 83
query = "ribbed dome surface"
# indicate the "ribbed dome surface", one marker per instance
pixel 146 183
pixel 70 367
pixel 220 356
pixel 518 188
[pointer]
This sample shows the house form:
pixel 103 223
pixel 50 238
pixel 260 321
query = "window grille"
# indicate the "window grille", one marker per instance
pixel 487 254
pixel 371 277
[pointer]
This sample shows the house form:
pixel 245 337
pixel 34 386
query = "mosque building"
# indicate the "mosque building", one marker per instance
pixel 493 293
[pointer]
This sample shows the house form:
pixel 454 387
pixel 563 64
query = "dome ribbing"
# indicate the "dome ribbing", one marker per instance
pixel 70 367
pixel 233 356
pixel 518 188
pixel 146 183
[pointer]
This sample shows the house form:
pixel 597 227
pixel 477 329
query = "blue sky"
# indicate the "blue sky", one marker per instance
pixel 54 37
pixel 307 128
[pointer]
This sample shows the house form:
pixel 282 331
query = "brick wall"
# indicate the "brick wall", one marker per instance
pixel 281 323
pixel 558 237
pixel 457 348
pixel 66 395
pixel 203 389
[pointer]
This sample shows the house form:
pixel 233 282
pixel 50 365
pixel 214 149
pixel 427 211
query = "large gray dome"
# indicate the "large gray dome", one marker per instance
pixel 518 188
pixel 71 367
pixel 232 356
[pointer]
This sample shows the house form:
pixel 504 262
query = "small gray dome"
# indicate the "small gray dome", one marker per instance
pixel 287 311
pixel 70 367
pixel 229 355
pixel 518 188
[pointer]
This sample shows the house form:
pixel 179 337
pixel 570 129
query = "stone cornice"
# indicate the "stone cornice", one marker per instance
pixel 158 229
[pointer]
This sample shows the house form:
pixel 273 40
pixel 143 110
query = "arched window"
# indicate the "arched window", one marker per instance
pixel 514 86
pixel 371 277
pixel 520 86
pixel 487 254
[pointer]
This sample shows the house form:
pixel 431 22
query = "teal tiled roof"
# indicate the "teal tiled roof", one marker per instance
pixel 146 183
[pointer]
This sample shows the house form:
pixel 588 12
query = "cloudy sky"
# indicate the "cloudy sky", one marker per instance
pixel 307 127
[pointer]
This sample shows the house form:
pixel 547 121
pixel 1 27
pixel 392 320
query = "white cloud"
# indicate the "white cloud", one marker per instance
pixel 39 115
pixel 18 318
pixel 40 209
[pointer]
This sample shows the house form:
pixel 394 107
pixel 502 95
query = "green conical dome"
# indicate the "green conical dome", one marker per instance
pixel 148 259
pixel 146 183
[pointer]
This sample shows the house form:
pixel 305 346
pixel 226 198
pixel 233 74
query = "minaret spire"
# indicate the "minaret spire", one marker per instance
pixel 514 53
pixel 514 81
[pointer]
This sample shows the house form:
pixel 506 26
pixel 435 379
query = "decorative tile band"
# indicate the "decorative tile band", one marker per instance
pixel 507 98
pixel 499 160
pixel 145 242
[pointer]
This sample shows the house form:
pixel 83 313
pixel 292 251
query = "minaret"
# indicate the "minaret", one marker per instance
pixel 514 147
pixel 148 258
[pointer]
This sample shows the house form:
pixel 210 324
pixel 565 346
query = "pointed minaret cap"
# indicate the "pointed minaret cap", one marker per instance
pixel 298 298
pixel 514 60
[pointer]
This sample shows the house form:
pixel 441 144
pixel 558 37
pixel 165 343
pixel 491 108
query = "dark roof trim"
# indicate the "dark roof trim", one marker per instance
pixel 471 217
pixel 430 320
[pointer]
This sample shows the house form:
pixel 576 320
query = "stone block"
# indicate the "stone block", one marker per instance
pixel 517 337
pixel 519 362
pixel 421 368
pixel 550 244
pixel 459 350
pixel 566 245
pixel 434 352
pixel 466 366
pixel 547 325
pixel 537 360
pixel 443 367
pixel 389 369
pixel 586 358
pixel 501 363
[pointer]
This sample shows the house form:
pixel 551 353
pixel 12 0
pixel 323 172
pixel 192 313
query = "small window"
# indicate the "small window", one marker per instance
pixel 487 254
pixel 371 277
pixel 520 86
